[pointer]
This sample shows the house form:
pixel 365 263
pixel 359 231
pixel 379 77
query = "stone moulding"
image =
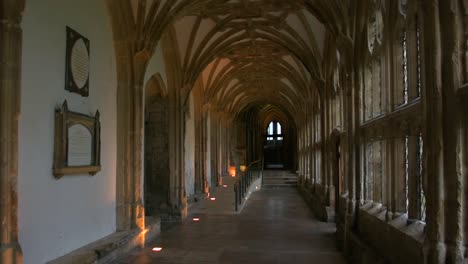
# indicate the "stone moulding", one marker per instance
pixel 64 119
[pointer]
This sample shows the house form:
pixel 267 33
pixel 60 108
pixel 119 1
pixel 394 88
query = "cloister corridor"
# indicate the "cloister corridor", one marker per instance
pixel 329 131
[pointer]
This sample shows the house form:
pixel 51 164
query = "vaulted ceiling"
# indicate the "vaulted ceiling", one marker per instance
pixel 253 52
pixel 249 52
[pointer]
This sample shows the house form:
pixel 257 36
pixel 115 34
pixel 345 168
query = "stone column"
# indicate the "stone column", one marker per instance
pixel 10 77
pixel 452 39
pixel 433 133
pixel 213 149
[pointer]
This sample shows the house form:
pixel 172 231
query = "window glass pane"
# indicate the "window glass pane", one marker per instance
pixel 406 167
pixel 405 69
pixel 278 128
pixel 422 196
pixel 270 129
pixel 418 47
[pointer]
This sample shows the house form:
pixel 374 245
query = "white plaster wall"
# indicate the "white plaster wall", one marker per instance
pixel 59 216
pixel 189 149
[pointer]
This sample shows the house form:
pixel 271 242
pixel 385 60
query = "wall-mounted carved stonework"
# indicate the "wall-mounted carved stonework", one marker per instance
pixel 375 27
pixel 77 143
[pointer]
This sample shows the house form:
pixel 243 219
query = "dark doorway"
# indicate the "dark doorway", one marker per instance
pixel 156 147
pixel 274 146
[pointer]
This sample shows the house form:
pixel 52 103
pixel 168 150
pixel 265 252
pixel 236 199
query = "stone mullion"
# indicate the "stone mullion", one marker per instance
pixel 392 173
pixel 317 148
pixel 348 128
pixel 306 150
pixel 347 154
pixel 353 139
pixel 327 155
pixel 323 147
pixel 352 92
pixel 314 148
pixel 325 125
pixel 433 133
pixel 413 179
pixel 310 149
pixel 301 152
pixel 397 184
pixel 301 155
pixel 10 77
pixel 304 132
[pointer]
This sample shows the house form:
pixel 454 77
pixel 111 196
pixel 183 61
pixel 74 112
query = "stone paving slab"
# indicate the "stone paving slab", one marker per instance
pixel 276 226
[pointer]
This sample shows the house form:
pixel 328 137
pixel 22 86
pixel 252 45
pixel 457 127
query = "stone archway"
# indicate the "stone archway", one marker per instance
pixel 156 148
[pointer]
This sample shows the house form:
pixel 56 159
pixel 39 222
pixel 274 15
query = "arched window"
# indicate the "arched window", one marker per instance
pixel 274 133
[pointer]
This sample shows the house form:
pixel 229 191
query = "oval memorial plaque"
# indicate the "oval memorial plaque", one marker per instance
pixel 80 63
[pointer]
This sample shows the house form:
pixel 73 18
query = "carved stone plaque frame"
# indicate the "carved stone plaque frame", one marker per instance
pixel 77 67
pixel 64 120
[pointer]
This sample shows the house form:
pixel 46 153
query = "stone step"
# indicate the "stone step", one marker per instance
pixel 279 179
pixel 282 177
pixel 267 181
pixel 279 186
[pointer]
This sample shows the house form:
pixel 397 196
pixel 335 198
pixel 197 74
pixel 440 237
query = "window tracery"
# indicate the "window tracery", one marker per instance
pixel 391 124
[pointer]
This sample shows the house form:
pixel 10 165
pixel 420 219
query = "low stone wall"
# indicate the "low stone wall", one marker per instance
pixel 376 237
pixel 110 248
pixel 314 196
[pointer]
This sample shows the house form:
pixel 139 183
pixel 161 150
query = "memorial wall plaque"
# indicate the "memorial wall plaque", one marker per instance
pixel 77 63
pixel 80 146
pixel 77 143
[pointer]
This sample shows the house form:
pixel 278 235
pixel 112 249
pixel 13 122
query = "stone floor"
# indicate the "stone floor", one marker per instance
pixel 275 226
